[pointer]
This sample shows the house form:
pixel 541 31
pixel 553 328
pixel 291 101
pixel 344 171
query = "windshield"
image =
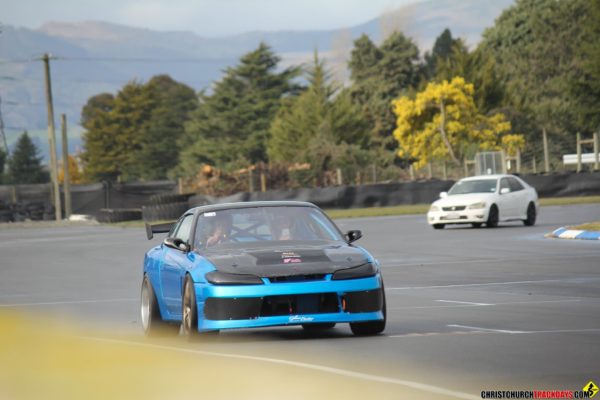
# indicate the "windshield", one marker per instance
pixel 263 224
pixel 474 186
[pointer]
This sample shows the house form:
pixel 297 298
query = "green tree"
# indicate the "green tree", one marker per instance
pixel 321 126
pixel 24 165
pixel 136 134
pixel 443 48
pixel 477 67
pixel 231 125
pixel 379 75
pixel 3 157
pixel 162 133
pixel 535 44
pixel 113 137
pixel 585 87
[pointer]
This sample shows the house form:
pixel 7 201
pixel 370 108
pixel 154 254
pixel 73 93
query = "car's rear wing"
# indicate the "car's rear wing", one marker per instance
pixel 158 228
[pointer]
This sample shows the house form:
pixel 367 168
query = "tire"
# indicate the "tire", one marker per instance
pixel 476 224
pixel 493 217
pixel 372 327
pixel 167 198
pixel 164 212
pixel 112 215
pixel 318 327
pixel 152 322
pixel 531 215
pixel 189 312
pixel 438 226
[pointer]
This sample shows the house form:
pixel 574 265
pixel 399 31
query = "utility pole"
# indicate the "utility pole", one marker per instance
pixel 546 152
pixel 2 129
pixel 52 138
pixel 65 157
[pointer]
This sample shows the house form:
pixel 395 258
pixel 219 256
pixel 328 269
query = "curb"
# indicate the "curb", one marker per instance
pixel 564 233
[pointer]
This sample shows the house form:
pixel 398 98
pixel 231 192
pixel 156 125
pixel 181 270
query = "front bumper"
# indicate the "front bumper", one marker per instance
pixel 458 217
pixel 292 303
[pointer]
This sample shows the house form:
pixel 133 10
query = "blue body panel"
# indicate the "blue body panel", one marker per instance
pixel 167 269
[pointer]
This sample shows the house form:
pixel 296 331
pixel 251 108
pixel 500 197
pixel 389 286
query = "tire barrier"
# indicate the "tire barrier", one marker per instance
pixel 89 198
pixel 29 211
pixel 167 198
pixel 164 212
pixel 112 215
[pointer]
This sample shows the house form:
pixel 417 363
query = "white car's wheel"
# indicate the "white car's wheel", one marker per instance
pixel 531 215
pixel 493 217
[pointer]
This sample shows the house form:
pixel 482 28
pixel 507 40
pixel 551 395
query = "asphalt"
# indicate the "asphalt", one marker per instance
pixel 468 309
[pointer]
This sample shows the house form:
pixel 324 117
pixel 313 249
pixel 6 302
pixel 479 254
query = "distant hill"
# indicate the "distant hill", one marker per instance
pixel 95 57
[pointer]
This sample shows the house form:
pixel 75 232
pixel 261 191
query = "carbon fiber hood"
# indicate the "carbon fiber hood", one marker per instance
pixel 288 260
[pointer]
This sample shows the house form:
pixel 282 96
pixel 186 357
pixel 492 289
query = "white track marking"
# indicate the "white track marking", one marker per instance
pixel 476 328
pixel 474 284
pixel 465 302
pixel 51 303
pixel 399 262
pixel 495 304
pixel 479 329
pixel 567 331
pixel 315 367
pixel 423 334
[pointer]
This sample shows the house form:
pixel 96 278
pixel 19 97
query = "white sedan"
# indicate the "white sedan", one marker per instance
pixel 485 199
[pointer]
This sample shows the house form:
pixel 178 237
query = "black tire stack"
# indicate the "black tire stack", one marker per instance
pixel 165 207
pixel 112 215
pixel 6 214
pixel 20 212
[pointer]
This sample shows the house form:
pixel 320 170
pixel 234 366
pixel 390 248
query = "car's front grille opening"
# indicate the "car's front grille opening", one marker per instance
pixel 454 208
pixel 270 306
pixel 297 278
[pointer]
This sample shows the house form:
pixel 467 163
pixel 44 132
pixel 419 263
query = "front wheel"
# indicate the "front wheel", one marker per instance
pixel 476 224
pixel 189 312
pixel 493 217
pixel 371 327
pixel 531 215
pixel 438 226
pixel 152 322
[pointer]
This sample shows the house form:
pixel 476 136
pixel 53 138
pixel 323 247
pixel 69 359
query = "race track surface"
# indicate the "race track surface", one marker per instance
pixel 468 309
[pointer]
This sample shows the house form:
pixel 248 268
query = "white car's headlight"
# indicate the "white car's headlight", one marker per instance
pixel 434 209
pixel 477 206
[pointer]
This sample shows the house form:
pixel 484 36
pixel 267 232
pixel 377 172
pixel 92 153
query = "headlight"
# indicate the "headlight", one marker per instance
pixel 362 271
pixel 434 209
pixel 224 278
pixel 477 206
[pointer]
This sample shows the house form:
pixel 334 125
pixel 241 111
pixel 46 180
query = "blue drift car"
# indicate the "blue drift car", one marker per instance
pixel 256 264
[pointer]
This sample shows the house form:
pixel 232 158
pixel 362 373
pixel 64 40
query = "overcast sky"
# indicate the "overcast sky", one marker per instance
pixel 205 17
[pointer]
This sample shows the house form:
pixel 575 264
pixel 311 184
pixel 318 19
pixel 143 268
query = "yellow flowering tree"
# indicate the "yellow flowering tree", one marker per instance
pixel 443 123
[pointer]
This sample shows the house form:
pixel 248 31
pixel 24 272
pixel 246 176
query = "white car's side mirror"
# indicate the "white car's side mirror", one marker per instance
pixel 443 195
pixel 504 190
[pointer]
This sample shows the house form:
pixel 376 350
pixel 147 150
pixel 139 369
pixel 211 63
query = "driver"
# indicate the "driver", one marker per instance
pixel 221 230
pixel 281 227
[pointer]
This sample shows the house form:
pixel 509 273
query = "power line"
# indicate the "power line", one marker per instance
pixel 120 59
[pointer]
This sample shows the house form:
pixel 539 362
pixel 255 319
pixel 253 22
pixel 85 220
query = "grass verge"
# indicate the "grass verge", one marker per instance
pixel 590 226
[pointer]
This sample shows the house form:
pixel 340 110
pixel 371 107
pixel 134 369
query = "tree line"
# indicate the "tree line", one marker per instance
pixel 537 68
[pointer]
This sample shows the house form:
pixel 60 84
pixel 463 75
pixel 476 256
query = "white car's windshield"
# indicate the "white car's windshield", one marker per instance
pixel 474 186
pixel 242 225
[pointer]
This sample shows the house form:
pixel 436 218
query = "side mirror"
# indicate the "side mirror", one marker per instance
pixel 504 190
pixel 353 236
pixel 177 244
pixel 443 195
